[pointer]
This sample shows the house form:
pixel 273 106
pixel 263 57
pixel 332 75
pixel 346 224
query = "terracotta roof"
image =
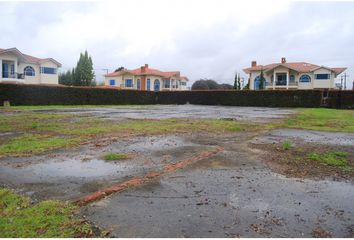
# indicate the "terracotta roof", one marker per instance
pixel 296 66
pixel 339 70
pixel 30 58
pixel 146 71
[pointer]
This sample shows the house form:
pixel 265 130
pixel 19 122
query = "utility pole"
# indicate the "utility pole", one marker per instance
pixel 106 69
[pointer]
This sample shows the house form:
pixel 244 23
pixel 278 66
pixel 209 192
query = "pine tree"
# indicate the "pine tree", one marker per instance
pixel 261 82
pixel 238 82
pixel 84 74
pixel 235 82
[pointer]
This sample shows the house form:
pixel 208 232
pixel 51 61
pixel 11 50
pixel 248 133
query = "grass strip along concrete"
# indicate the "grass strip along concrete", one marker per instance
pixel 137 181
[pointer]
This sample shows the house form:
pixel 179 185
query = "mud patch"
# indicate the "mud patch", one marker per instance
pixel 295 161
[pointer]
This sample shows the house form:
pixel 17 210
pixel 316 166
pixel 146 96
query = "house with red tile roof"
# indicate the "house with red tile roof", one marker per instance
pixel 17 67
pixel 292 75
pixel 146 78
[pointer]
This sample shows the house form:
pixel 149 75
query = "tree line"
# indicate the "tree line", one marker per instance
pixel 81 75
pixel 210 84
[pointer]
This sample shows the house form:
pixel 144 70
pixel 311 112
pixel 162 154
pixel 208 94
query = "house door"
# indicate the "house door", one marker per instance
pixel 138 84
pixel 156 85
pixel 5 70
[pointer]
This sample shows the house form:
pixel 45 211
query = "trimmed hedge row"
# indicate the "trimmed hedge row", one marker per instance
pixel 58 95
pixel 341 99
pixel 284 98
pixel 62 95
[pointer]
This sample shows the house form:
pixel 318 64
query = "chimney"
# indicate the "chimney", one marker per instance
pixel 142 68
pixel 283 60
pixel 253 63
pixel 146 66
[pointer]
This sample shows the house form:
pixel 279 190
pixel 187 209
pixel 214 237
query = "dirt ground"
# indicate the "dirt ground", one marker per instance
pixel 182 187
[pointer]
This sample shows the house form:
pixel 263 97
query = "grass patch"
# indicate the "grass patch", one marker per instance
pixel 336 159
pixel 286 145
pixel 28 144
pixel 115 156
pixel 322 119
pixel 48 131
pixel 20 219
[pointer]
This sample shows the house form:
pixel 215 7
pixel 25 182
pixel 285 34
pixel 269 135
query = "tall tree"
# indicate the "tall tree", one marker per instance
pixel 261 80
pixel 235 82
pixel 84 74
pixel 119 69
pixel 238 82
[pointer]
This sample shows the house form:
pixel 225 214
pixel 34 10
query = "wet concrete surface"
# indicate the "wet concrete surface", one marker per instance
pixel 240 199
pixel 231 194
pixel 325 138
pixel 255 114
pixel 71 174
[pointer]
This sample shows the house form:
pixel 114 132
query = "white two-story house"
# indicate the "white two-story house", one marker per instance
pixel 145 78
pixel 292 75
pixel 17 67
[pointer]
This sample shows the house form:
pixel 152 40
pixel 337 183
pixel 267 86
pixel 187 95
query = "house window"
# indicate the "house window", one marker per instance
pixel 48 70
pixel 305 78
pixel 12 69
pixel 183 84
pixel 128 83
pixel 156 85
pixel 166 83
pixel 322 76
pixel 292 78
pixel 112 82
pixel 28 71
pixel 148 84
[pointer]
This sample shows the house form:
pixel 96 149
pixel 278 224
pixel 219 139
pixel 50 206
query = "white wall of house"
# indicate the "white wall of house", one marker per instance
pixel 323 83
pixel 314 84
pixel 120 82
pixel 38 78
pixel 305 85
pixel 49 78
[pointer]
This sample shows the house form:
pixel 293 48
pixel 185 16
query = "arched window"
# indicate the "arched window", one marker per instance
pixel 29 71
pixel 305 78
pixel 156 85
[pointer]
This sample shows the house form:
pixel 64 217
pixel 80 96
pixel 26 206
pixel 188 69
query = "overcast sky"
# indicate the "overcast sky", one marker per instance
pixel 202 39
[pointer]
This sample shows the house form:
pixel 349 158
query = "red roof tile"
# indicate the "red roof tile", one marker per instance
pixel 29 57
pixel 297 66
pixel 146 71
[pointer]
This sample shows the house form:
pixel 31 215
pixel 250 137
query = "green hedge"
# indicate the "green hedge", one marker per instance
pixel 341 99
pixel 58 95
pixel 277 98
pixel 19 94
